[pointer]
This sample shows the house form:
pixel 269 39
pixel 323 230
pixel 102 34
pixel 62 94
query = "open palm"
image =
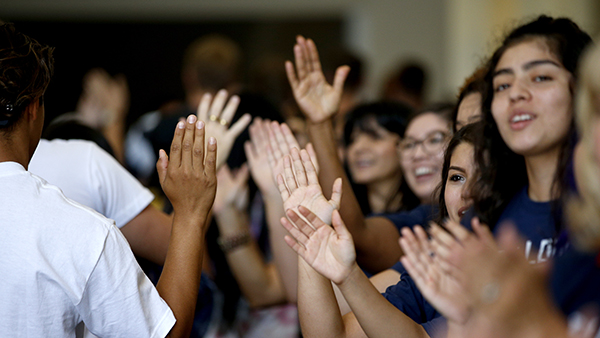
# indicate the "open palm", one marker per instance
pixel 317 99
pixel 328 250
pixel 301 187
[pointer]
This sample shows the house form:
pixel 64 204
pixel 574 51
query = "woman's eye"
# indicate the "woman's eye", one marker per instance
pixel 501 87
pixel 456 178
pixel 407 145
pixel 542 78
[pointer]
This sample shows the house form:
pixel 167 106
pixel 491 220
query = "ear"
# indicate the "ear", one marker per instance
pixel 33 111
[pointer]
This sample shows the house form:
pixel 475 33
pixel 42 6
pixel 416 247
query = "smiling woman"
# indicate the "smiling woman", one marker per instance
pixel 422 150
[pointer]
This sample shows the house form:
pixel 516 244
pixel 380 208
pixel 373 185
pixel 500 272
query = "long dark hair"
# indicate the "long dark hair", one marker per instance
pixel 468 134
pixel 502 173
pixel 392 116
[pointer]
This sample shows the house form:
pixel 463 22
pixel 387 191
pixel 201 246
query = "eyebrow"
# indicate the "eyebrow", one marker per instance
pixel 457 169
pixel 439 131
pixel 527 66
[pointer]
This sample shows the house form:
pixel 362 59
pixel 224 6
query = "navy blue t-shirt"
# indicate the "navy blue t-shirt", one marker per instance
pixel 534 221
pixel 420 215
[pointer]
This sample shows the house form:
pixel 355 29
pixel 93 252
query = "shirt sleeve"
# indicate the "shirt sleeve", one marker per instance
pixel 124 197
pixel 119 300
pixel 407 298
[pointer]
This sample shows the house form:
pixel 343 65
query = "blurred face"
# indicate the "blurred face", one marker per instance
pixel 460 177
pixel 422 154
pixel 372 156
pixel 532 103
pixel 469 110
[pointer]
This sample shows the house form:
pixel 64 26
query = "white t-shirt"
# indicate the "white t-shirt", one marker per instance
pixel 89 175
pixel 64 263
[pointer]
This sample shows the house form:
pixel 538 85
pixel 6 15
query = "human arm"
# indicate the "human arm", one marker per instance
pixel 258 280
pixel 180 278
pixel 148 234
pixel 376 239
pixel 380 281
pixel 217 117
pixel 330 254
pixel 284 258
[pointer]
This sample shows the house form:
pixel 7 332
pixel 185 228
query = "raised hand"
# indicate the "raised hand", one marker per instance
pixel 440 288
pixel 218 116
pixel 300 187
pixel 317 99
pixel 104 100
pixel 330 251
pixel 188 177
pixel 232 189
pixel 257 154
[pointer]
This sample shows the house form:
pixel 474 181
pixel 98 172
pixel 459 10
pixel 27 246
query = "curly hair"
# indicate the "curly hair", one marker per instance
pixel 502 171
pixel 26 67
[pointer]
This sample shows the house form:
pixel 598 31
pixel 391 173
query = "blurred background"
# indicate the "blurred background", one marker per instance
pixel 145 39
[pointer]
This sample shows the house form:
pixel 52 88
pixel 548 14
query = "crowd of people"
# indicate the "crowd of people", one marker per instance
pixel 231 215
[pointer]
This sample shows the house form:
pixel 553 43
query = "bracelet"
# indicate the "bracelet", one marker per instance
pixel 227 244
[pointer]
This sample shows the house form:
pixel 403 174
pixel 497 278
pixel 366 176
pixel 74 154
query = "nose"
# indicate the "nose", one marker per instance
pixel 519 91
pixel 465 193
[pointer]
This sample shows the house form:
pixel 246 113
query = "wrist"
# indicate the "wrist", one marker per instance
pixel 354 272
pixel 230 243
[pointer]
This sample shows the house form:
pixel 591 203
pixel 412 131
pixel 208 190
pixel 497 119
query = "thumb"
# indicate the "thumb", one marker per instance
pixel 340 77
pixel 336 192
pixel 161 165
pixel 339 226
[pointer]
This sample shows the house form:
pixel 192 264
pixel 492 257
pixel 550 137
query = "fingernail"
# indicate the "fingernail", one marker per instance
pixel 191 119
pixel 212 140
pixel 180 125
pixel 199 124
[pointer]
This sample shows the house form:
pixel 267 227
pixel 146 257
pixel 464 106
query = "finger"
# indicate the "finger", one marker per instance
pixel 250 153
pixel 283 190
pixel 442 235
pixel 301 70
pixel 313 156
pixel 300 250
pixel 218 103
pixel 241 176
pixel 458 231
pixel 289 137
pixel 305 55
pixel 175 152
pixel 301 224
pixel 340 77
pixel 188 141
pixel 314 220
pixel 290 180
pixel 271 158
pixel 299 171
pixel 210 163
pixel 483 232
pixel 161 165
pixel 204 107
pixel 310 172
pixel 276 151
pixel 336 192
pixel 313 54
pixel 230 108
pixel 281 142
pixel 298 235
pixel 338 225
pixel 236 129
pixel 291 75
pixel 198 150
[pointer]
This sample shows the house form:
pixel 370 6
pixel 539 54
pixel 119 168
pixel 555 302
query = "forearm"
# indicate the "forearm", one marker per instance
pixel 317 307
pixel 258 281
pixel 285 259
pixel 180 279
pixel 148 234
pixel 115 135
pixel 371 309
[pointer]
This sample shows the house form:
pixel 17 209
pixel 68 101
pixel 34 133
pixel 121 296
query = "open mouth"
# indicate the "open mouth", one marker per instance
pixel 521 120
pixel 462 211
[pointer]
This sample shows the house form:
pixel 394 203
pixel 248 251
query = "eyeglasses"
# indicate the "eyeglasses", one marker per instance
pixel 432 144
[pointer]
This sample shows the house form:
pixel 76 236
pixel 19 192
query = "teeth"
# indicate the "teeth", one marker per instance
pixel 462 213
pixel 423 171
pixel 522 117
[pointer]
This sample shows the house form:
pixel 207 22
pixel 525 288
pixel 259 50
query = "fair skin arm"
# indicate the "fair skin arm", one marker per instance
pixel 284 258
pixel 328 255
pixel 376 238
pixel 185 168
pixel 380 281
pixel 259 281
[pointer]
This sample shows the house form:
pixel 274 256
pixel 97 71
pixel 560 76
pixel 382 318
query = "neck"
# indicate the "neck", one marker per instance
pixel 14 150
pixel 383 195
pixel 541 170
